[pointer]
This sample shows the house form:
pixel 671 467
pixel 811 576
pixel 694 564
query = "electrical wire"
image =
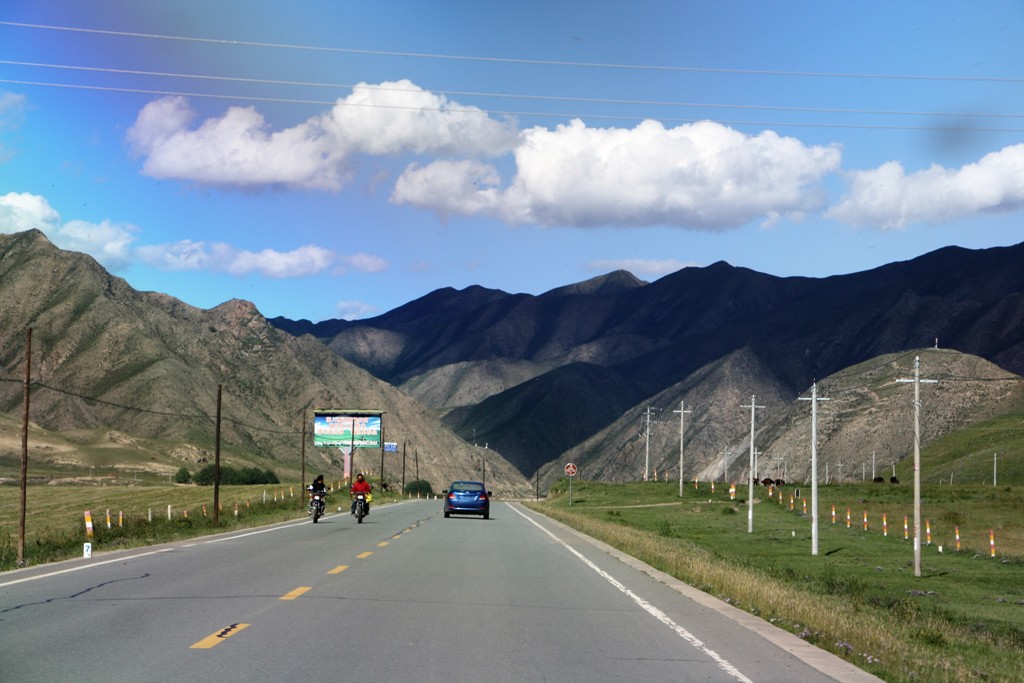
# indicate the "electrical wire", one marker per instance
pixel 506 95
pixel 511 60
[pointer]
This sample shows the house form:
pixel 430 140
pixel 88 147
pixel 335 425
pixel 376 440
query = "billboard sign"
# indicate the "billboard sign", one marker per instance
pixel 347 428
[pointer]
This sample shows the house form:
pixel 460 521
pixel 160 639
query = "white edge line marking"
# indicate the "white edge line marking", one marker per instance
pixel 723 664
pixel 126 558
pixel 84 566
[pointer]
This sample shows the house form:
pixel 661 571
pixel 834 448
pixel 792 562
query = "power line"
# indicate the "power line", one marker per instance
pixel 506 95
pixel 512 60
pixel 485 112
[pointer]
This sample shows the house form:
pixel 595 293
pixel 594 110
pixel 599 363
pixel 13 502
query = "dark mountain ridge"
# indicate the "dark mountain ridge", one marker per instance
pixel 652 337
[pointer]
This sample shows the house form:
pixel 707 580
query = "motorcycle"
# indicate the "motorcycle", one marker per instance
pixel 317 504
pixel 362 506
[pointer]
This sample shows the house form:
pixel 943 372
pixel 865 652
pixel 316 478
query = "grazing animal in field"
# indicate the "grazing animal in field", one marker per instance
pixel 878 480
pixel 893 480
pixel 767 481
pixel 780 482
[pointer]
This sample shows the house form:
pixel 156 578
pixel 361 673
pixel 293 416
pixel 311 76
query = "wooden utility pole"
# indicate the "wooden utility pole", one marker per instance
pixel 216 466
pixel 24 448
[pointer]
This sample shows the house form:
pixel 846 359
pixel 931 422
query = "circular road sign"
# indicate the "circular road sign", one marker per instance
pixel 570 469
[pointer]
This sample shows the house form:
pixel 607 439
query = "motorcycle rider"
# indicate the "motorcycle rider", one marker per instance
pixel 360 485
pixel 318 486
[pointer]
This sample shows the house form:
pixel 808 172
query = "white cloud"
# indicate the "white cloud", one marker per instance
pixel 12 107
pixel 888 198
pixel 365 263
pixel 702 176
pixel 641 267
pixel 107 242
pixel 21 211
pixel 351 310
pixel 239 149
pixel 222 257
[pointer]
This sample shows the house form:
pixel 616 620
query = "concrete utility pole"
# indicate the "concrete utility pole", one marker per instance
pixel 647 451
pixel 814 465
pixel 682 413
pixel 750 476
pixel 917 460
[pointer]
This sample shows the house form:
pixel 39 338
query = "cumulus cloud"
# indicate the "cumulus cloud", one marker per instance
pixel 21 211
pixel 240 149
pixel 107 242
pixel 112 244
pixel 888 198
pixel 222 257
pixel 703 176
pixel 642 267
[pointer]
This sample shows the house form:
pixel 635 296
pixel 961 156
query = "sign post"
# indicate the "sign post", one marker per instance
pixel 570 471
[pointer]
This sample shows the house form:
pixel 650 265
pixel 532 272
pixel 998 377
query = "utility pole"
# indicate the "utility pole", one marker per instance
pixel 682 414
pixel 995 458
pixel 216 462
pixel 24 449
pixel 750 475
pixel 778 459
pixel 814 465
pixel 917 460
pixel 647 435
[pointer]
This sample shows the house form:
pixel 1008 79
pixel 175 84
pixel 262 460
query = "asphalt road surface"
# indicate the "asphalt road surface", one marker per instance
pixel 405 596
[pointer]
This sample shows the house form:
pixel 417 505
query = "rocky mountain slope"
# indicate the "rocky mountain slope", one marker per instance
pixel 148 366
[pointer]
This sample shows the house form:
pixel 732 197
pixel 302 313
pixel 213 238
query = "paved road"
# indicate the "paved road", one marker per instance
pixel 407 595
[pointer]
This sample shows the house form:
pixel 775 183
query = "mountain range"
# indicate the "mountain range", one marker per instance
pixel 618 375
pixel 571 373
pixel 115 370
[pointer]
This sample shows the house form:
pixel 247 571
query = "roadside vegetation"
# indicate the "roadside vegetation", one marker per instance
pixel 962 620
pixel 133 516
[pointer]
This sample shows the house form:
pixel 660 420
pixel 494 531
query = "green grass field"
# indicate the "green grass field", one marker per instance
pixel 962 620
pixel 55 527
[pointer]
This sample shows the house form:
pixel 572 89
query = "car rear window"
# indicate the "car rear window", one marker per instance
pixel 467 486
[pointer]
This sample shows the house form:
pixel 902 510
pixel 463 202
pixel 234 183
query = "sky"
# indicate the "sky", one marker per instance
pixel 338 159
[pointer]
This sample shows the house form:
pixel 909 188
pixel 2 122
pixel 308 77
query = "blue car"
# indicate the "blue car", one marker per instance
pixel 467 498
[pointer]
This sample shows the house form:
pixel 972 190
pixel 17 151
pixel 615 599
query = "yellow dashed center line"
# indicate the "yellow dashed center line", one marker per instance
pixel 218 637
pixel 382 544
pixel 296 593
pixel 363 556
pixel 339 569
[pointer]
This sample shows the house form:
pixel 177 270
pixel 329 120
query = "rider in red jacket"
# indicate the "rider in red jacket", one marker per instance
pixel 360 485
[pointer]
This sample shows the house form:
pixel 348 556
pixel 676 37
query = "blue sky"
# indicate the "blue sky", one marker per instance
pixel 339 159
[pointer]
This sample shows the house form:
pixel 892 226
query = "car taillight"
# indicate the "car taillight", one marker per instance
pixel 451 496
pixel 483 496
